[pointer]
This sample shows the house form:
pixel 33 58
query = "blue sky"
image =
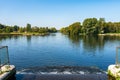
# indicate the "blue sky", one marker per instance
pixel 56 13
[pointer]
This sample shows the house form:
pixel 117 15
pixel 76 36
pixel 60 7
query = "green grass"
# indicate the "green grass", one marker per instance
pixel 25 33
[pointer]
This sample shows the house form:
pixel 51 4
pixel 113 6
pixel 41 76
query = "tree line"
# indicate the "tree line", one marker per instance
pixel 92 26
pixel 27 29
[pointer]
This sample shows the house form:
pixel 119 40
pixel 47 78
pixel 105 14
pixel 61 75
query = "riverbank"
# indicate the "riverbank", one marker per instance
pixel 110 34
pixel 43 34
pixel 26 34
pixel 105 34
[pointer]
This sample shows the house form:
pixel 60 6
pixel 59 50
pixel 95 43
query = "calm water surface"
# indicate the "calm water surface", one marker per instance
pixel 57 50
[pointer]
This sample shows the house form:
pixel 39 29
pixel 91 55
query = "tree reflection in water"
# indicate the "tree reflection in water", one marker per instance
pixel 91 43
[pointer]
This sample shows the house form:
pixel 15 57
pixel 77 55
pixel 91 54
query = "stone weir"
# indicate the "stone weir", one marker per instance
pixel 61 77
pixel 114 69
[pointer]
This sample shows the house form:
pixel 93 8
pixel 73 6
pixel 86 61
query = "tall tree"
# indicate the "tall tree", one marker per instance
pixel 74 29
pixel 8 29
pixel 28 28
pixel 89 25
pixel 15 28
pixel 53 29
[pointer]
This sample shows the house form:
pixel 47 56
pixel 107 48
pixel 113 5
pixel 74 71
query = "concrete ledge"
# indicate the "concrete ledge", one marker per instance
pixel 7 72
pixel 62 77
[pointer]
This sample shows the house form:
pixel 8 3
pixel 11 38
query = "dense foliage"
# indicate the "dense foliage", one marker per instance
pixel 92 26
pixel 28 28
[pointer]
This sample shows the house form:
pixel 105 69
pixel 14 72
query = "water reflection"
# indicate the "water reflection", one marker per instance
pixel 8 37
pixel 53 34
pixel 92 42
pixel 3 37
pixel 74 40
pixel 15 37
pixel 28 40
pixel 88 43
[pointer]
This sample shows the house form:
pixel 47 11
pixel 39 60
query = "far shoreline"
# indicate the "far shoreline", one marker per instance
pixel 44 34
pixel 26 34
pixel 109 34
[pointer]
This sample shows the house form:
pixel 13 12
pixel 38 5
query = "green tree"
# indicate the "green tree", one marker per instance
pixel 101 25
pixel 64 30
pixel 89 25
pixel 15 28
pixel 53 29
pixel 28 28
pixel 21 29
pixel 8 29
pixel 74 29
pixel 35 29
pixel 1 30
pixel 42 30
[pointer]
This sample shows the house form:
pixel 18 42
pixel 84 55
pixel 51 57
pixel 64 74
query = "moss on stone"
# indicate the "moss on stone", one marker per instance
pixel 116 77
pixel 109 73
pixel 1 72
pixel 117 66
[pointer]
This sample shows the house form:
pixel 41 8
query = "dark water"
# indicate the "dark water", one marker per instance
pixel 61 54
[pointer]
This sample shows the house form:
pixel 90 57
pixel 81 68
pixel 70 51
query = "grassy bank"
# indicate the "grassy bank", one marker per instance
pixel 27 34
pixel 110 34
